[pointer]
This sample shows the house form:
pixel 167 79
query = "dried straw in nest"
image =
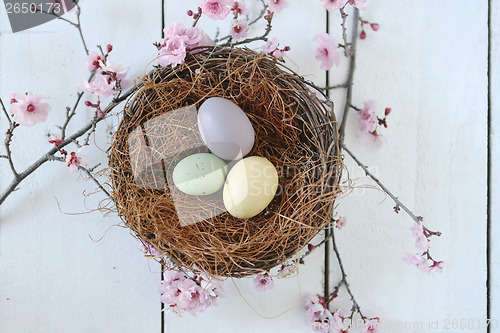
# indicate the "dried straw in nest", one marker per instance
pixel 294 130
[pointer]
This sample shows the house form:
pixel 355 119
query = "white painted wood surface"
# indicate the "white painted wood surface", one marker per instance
pixel 428 62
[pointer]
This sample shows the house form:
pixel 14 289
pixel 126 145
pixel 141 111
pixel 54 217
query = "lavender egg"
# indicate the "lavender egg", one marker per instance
pixel 225 128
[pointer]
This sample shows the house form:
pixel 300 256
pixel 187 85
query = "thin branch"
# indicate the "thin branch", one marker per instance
pixel 8 139
pixel 350 77
pixel 77 25
pixel 343 281
pixel 70 114
pixel 89 173
pixel 5 112
pixel 261 14
pixel 344 31
pixel 338 86
pixel 323 241
pixel 417 219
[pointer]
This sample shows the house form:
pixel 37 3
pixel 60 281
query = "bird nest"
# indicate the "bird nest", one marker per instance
pixel 294 129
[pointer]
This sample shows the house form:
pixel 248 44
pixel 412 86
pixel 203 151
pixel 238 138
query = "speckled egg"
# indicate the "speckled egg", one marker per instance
pixel 200 174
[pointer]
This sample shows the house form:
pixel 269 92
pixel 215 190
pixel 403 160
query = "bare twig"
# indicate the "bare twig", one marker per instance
pixel 344 31
pixel 350 77
pixel 5 111
pixel 77 25
pixel 417 219
pixel 89 173
pixel 343 281
pixel 337 86
pixel 71 113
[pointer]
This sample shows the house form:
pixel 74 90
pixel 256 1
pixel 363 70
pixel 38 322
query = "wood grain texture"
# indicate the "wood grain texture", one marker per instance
pixel 428 62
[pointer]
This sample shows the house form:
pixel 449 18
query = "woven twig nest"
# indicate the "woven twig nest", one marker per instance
pixel 294 130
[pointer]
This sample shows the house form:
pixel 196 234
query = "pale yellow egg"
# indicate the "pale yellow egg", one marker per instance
pixel 250 186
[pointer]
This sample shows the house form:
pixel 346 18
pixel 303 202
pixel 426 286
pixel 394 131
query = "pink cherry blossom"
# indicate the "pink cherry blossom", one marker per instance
pixel 185 294
pixel 332 5
pixel 318 316
pixel 326 51
pixel 239 29
pixel 27 110
pixel 216 9
pixel 94 60
pixel 75 160
pixel 263 282
pixel 372 326
pixel 422 242
pixel 239 7
pixel 101 85
pixel 380 140
pixel 357 3
pixel 341 222
pixel 271 46
pixel 149 249
pixel 417 260
pixel 174 52
pixel 367 119
pixel 279 54
pixel 56 140
pixel 175 30
pixel 116 71
pixel 286 270
pixel 277 5
pixel 337 322
pixel 192 36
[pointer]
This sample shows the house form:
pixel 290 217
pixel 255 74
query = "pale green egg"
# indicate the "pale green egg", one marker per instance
pixel 200 174
pixel 250 186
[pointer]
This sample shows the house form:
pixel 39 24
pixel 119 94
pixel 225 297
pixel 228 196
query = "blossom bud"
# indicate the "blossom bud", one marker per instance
pixel 362 35
pixel 89 103
pixel 109 48
pixel 199 10
pixel 387 111
pixel 375 26
pixel 286 49
pixel 190 12
pixel 311 247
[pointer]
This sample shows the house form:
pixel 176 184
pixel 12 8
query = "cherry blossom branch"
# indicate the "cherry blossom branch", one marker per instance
pixel 350 76
pixel 50 155
pixel 262 37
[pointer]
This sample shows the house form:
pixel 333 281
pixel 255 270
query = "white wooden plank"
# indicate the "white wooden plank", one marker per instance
pixel 427 62
pixel 53 277
pixel 495 159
